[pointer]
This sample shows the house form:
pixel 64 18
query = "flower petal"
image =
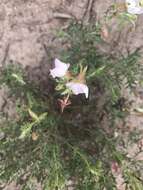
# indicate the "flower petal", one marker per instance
pixel 135 10
pixel 57 72
pixel 78 88
pixel 133 7
pixel 60 69
pixel 131 3
pixel 60 64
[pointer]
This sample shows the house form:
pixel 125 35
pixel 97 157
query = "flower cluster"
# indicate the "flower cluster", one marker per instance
pixel 134 6
pixel 73 84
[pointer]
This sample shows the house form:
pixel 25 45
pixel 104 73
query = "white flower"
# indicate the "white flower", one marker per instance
pixel 134 6
pixel 60 69
pixel 78 88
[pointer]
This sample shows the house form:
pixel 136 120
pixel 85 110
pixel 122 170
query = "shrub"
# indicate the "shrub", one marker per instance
pixel 79 144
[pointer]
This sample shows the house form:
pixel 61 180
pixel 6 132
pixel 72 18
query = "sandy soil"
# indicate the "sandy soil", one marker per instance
pixel 27 26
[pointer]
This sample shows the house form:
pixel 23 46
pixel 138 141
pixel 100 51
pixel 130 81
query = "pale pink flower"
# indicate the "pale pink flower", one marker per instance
pixel 60 69
pixel 78 88
pixel 134 6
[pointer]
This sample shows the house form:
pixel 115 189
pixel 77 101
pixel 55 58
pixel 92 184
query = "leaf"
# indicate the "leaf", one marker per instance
pixel 139 111
pixel 18 78
pixel 30 99
pixel 67 91
pixel 59 87
pixel 95 73
pixel 33 115
pixel 26 129
pixel 42 116
pixel 127 17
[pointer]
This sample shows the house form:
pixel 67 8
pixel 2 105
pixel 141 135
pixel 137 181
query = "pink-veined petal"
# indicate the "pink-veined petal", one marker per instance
pixel 60 64
pixel 78 88
pixel 57 72
pixel 133 7
pixel 135 10
pixel 60 69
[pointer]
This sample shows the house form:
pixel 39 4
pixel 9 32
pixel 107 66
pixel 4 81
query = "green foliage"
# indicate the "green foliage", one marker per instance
pixel 110 71
pixel 53 148
pixel 13 76
pixel 125 18
pixel 133 180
